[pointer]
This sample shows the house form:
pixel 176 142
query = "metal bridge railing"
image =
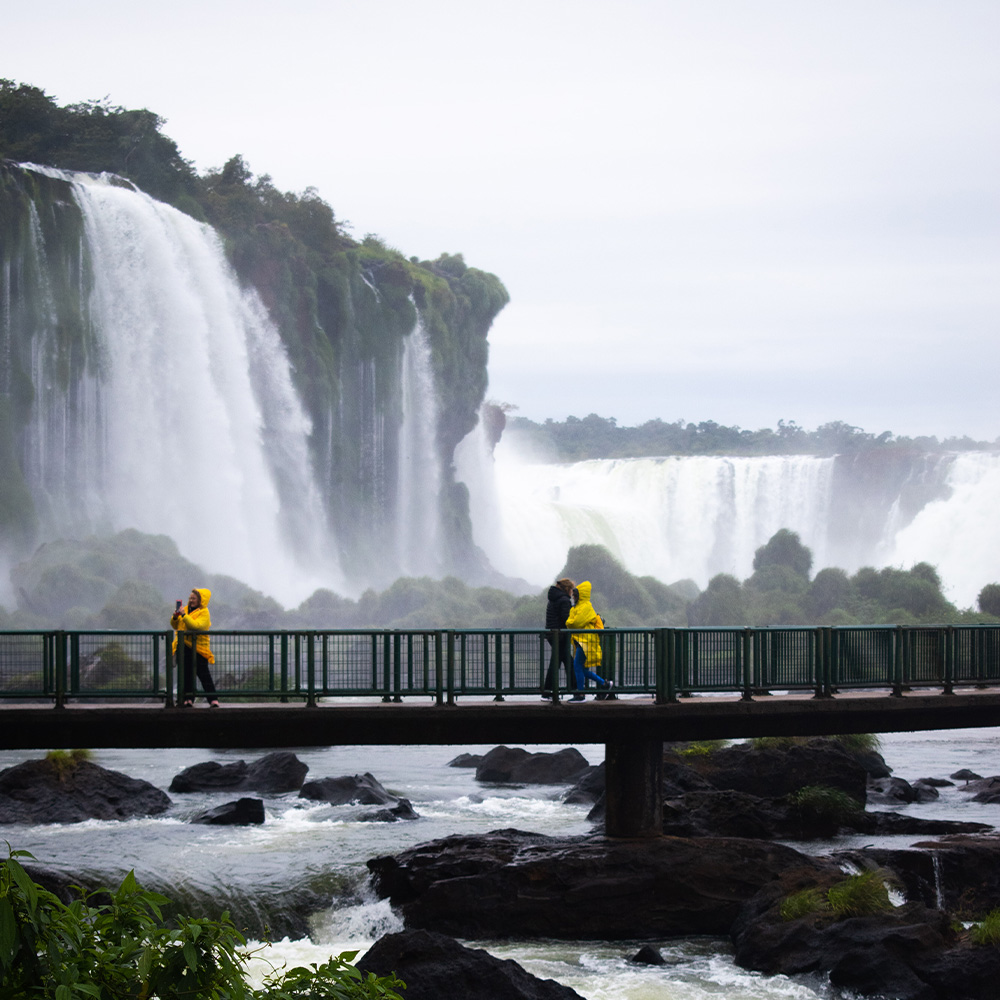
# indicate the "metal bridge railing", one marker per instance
pixel 444 664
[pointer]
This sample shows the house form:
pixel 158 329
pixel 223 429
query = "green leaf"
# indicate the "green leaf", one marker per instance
pixel 8 932
pixel 190 956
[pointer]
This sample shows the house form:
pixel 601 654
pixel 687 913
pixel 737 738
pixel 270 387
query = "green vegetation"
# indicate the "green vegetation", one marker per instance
pixel 987 930
pixel 64 762
pixel 120 944
pixel 700 748
pixel 822 805
pixel 575 439
pixel 130 580
pixel 863 895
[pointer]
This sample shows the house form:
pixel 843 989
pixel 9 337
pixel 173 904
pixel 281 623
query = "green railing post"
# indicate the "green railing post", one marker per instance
pixel 897 661
pixel 747 665
pixel 950 656
pixel 386 665
pixel 439 668
pixel 451 666
pixel 74 663
pixel 60 669
pixel 311 669
pixel 825 643
pixel 498 666
pixel 284 668
pixel 397 662
pixel 270 663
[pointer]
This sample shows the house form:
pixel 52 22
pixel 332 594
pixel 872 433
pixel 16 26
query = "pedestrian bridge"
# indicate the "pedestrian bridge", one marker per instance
pixel 63 689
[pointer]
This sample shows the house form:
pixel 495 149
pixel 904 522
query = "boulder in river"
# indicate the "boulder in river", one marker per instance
pixel 515 884
pixel 242 812
pixel 516 766
pixel 435 966
pixel 70 791
pixel 272 774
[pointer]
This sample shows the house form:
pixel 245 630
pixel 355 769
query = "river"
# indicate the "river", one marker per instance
pixel 308 846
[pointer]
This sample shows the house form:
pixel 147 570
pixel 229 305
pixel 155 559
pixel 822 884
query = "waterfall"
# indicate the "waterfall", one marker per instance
pixel 693 517
pixel 418 523
pixel 176 413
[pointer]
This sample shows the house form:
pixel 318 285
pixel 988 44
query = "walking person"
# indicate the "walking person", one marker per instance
pixel 587 644
pixel 560 603
pixel 197 655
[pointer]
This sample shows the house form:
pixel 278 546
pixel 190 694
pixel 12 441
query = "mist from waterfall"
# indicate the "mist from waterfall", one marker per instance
pixel 696 516
pixel 184 420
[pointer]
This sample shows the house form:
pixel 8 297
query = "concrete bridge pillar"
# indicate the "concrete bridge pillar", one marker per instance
pixel 633 787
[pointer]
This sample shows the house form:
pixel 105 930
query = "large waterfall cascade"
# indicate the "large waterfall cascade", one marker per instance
pixel 692 517
pixel 186 421
pixel 418 508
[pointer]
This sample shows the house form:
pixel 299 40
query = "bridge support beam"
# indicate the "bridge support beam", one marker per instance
pixel 633 782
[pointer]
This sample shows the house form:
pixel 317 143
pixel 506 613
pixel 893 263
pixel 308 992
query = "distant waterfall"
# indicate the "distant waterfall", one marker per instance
pixel 670 518
pixel 693 517
pixel 418 521
pixel 183 419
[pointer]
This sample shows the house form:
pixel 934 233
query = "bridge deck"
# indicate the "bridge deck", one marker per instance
pixel 479 720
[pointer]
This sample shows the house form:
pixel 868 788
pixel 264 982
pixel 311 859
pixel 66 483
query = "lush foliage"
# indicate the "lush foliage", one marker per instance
pixel 592 436
pixel 987 930
pixel 120 943
pixel 65 761
pixel 820 804
pixel 863 895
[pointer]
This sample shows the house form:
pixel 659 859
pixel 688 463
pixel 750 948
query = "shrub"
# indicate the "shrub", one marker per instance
pixel 701 748
pixel 860 742
pixel 987 931
pixel 822 804
pixel 864 895
pixel 804 904
pixel 117 944
pixel 64 762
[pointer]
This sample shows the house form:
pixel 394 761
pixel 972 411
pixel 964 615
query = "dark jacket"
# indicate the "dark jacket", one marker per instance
pixel 558 608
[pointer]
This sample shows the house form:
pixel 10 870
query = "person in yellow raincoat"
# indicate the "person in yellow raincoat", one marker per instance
pixel 588 645
pixel 198 654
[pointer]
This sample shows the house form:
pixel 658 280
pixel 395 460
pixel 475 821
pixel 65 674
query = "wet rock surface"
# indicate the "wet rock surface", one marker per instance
pixel 41 791
pixel 516 766
pixel 242 812
pixel 435 966
pixel 515 884
pixel 272 774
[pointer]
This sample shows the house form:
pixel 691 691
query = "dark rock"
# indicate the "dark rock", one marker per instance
pixel 984 790
pixel 648 955
pixel 272 774
pixel 873 763
pixel 364 789
pixel 434 966
pixel 242 812
pixel 403 810
pixel 886 791
pixel 965 775
pixel 728 814
pixel 515 884
pixel 772 772
pixel 935 782
pixel 40 791
pixel 588 788
pixel 465 760
pixel 515 766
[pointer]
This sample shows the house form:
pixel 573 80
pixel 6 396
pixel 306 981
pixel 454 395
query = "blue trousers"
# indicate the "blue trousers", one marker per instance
pixel 582 672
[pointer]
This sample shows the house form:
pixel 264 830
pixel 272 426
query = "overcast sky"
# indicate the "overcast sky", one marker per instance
pixel 729 210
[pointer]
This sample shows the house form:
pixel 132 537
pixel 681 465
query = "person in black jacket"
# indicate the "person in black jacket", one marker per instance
pixel 556 612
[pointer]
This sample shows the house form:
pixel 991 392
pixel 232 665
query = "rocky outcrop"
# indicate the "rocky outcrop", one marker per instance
pixel 360 789
pixel 516 766
pixel 45 791
pixel 909 953
pixel 435 966
pixel 514 884
pixel 242 812
pixel 273 774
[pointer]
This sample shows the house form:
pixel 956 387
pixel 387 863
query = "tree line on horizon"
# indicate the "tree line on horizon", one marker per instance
pixel 577 439
pixel 129 581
